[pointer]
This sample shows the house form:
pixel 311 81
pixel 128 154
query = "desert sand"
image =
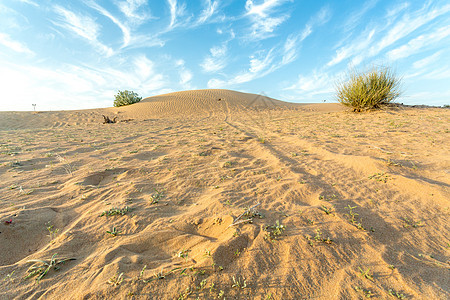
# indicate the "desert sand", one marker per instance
pixel 216 194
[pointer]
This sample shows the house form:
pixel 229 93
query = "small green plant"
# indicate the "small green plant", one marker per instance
pixel 318 238
pixel 156 196
pixel 382 177
pixel 207 253
pixel 183 254
pixel 68 167
pixel 40 268
pixel 274 231
pixel 228 164
pixel 115 211
pixel 366 274
pixel 141 274
pixel 327 210
pixel 52 232
pixel 126 98
pixel 411 223
pixel 202 284
pixel 239 283
pixel 351 214
pixel 366 293
pixel 113 232
pixel 368 90
pixel 116 279
pixel 184 295
pixel 9 276
pixel 396 294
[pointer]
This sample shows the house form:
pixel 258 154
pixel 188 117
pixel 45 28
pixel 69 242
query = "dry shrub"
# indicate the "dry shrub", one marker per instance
pixel 368 90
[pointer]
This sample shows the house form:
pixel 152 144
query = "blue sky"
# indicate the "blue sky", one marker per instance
pixel 77 54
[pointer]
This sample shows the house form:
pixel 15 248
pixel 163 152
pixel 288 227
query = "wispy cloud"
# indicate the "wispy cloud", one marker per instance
pixel 216 60
pixel 314 84
pixel 134 11
pixel 427 61
pixel 407 25
pixel 125 29
pixel 359 45
pixel 260 64
pixel 291 44
pixel 83 26
pixel 176 10
pixel 185 74
pixel 379 37
pixel 416 44
pixel 290 49
pixel 393 12
pixel 263 21
pixel 356 16
pixel 14 45
pixel 29 2
pixel 69 87
pixel 322 17
pixel 209 10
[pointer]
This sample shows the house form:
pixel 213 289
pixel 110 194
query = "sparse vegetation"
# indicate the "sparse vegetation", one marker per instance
pixel 239 282
pixel 366 274
pixel 116 279
pixel 274 231
pixel 368 90
pixel 115 211
pixel 52 232
pixel 40 268
pixel 113 232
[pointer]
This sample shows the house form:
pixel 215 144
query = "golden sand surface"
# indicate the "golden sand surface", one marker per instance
pixel 216 194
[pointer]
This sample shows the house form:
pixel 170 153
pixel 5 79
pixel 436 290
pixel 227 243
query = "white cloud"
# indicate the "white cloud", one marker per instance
pixel 414 45
pixel 406 26
pixel 185 74
pixel 263 23
pixel 355 17
pixel 260 65
pixel 16 46
pixel 29 2
pixel 290 50
pixel 216 60
pixel 143 67
pixel 185 77
pixel 11 19
pixel 359 45
pixel 379 37
pixel 314 87
pixel 83 26
pixel 209 10
pixel 125 30
pixel 176 10
pixel 76 87
pixel 316 83
pixel 396 10
pixel 427 61
pixel 291 44
pixel 133 10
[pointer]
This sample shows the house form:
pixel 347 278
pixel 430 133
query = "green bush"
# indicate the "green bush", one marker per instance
pixel 367 90
pixel 126 98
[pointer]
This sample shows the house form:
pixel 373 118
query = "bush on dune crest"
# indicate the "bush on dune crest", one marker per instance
pixel 126 98
pixel 368 90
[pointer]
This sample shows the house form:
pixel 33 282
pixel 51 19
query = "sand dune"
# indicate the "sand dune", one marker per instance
pixel 346 205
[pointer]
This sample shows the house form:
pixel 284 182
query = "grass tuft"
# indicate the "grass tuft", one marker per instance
pixel 40 268
pixel 368 90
